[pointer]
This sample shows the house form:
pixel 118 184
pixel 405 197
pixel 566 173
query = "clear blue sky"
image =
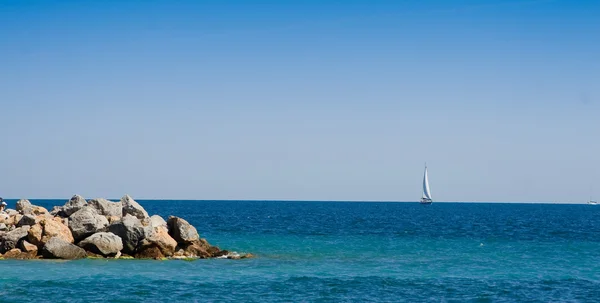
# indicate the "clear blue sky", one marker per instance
pixel 317 100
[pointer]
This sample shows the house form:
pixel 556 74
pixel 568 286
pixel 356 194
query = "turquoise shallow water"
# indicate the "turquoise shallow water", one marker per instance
pixel 344 252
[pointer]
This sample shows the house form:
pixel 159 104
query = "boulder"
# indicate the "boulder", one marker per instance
pixel 157 221
pixel 86 222
pixel 215 252
pixel 76 203
pixel 55 210
pixel 130 207
pixel 150 252
pixel 22 205
pixel 57 248
pixel 196 248
pixel 4 218
pixel 154 222
pixel 37 211
pixel 13 220
pixel 27 220
pixel 103 243
pixel 159 237
pixel 56 228
pixel 9 240
pixel 40 233
pixel 35 234
pixel 107 208
pixel 16 253
pixel 27 247
pixel 131 232
pixel 182 231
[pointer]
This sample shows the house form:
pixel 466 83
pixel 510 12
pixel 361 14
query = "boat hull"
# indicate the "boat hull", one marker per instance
pixel 425 201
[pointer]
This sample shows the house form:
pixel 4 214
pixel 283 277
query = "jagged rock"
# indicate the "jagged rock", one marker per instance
pixel 130 207
pixel 86 222
pixel 13 220
pixel 159 237
pixel 197 248
pixel 151 252
pixel 25 207
pixel 131 232
pixel 103 243
pixel 55 210
pixel 32 230
pixel 156 221
pixel 37 211
pixel 22 205
pixel 55 228
pixel 27 220
pixel 12 253
pixel 214 252
pixel 27 247
pixel 57 248
pixel 35 234
pixel 4 218
pixel 107 208
pixel 153 222
pixel 182 231
pixel 16 253
pixel 76 203
pixel 9 240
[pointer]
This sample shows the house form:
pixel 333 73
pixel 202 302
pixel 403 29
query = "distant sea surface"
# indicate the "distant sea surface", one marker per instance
pixel 343 252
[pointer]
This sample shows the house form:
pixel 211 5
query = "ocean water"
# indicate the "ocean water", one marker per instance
pixel 343 252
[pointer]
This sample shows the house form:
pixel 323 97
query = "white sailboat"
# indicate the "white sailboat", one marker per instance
pixel 426 198
pixel 591 201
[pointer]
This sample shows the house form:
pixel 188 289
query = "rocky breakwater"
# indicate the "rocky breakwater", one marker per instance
pixel 99 228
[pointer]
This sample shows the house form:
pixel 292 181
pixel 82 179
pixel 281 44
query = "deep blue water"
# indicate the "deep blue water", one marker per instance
pixel 344 252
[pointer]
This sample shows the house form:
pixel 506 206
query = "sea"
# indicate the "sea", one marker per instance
pixel 343 252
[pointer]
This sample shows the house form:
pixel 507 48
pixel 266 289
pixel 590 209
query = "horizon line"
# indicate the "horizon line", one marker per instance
pixel 293 200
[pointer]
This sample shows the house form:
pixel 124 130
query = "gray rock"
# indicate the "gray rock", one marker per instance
pixel 76 203
pixel 56 210
pixel 182 231
pixel 131 232
pixel 86 222
pixel 107 208
pixel 23 204
pixel 27 220
pixel 130 207
pixel 57 248
pixel 9 240
pixel 154 221
pixel 103 243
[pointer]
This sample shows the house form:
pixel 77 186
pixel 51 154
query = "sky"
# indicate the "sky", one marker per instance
pixel 301 100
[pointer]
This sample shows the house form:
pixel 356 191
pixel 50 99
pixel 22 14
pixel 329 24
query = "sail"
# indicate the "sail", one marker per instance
pixel 426 192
